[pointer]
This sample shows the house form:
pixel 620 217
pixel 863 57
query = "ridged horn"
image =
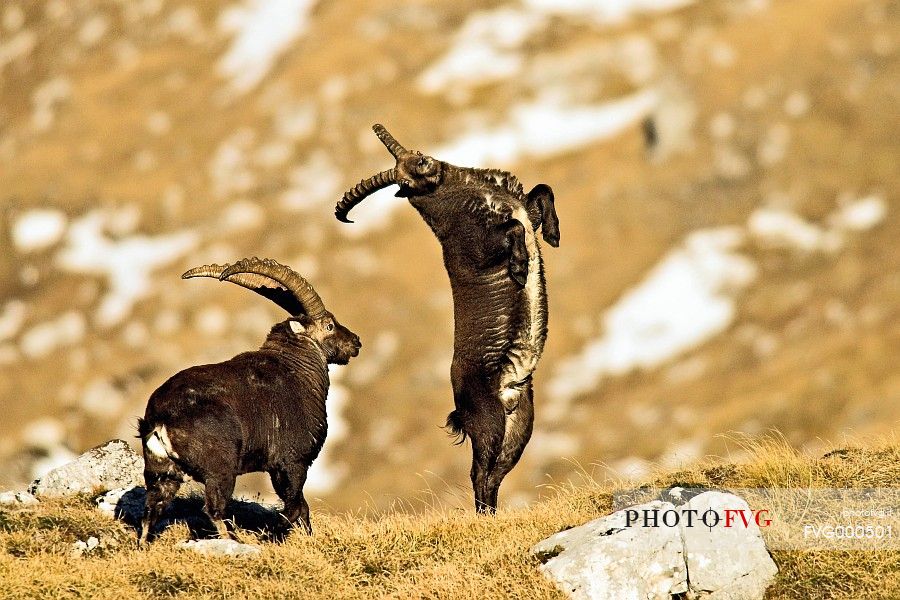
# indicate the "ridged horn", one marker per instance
pixel 393 146
pixel 362 189
pixel 270 279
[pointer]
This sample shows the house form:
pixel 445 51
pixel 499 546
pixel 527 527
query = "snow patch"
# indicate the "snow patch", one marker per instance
pixel 488 46
pixel 93 30
pixel 229 168
pixel 241 215
pixel 46 99
pixel 125 262
pixel 859 215
pixel 315 184
pixel 687 298
pixel 485 49
pixel 38 229
pixel 263 30
pixel 45 432
pixel 545 128
pixel 18 46
pixel 605 12
pixel 779 228
pixel 12 317
pixel 42 339
pixel 102 400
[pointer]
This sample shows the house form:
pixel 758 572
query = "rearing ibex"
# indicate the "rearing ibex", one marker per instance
pixel 486 226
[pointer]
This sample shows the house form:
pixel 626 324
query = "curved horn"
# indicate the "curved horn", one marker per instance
pixel 389 142
pixel 269 279
pixel 293 281
pixel 362 189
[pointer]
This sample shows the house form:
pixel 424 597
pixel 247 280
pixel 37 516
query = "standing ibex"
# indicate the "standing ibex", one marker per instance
pixel 486 226
pixel 259 411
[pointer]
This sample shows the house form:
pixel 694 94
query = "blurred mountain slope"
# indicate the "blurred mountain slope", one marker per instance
pixel 725 173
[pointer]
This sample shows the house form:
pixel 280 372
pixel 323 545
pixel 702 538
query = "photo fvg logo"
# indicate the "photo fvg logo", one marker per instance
pixel 689 517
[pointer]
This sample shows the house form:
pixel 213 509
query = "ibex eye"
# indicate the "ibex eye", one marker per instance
pixel 329 327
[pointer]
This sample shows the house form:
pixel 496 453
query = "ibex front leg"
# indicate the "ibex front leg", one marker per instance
pixel 514 243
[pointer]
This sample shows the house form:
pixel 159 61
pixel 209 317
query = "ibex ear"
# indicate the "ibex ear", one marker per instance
pixel 297 327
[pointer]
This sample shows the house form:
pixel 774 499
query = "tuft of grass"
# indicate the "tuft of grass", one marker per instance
pixel 441 553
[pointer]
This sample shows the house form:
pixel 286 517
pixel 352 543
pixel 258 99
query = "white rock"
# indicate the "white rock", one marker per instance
pixel 80 547
pixel 17 499
pixel 726 562
pixel 221 548
pixel 112 465
pixel 605 559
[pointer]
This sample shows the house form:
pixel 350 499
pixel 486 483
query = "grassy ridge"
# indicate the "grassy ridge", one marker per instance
pixel 438 554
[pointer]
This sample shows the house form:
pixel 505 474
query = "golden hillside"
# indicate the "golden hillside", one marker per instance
pixel 740 273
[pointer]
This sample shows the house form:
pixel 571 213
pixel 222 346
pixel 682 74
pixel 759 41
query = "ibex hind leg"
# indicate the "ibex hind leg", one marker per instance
pixel 518 426
pixel 219 488
pixel 484 426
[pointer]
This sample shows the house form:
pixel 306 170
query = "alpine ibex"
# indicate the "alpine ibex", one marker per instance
pixel 486 226
pixel 259 411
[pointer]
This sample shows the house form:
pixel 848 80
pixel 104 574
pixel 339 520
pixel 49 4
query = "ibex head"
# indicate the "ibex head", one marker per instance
pixel 292 292
pixel 415 173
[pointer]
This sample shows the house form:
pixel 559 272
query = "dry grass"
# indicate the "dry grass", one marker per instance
pixel 441 553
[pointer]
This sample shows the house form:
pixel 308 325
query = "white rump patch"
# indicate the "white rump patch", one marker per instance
pixel 159 445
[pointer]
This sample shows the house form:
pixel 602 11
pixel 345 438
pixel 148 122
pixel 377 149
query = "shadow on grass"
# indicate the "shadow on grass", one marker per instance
pixel 265 521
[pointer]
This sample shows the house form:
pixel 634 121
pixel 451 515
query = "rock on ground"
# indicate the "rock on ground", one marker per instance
pixel 222 548
pixel 17 499
pixel 109 466
pixel 605 559
pixel 726 563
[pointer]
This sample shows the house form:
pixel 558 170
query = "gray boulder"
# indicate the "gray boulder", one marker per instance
pixel 726 563
pixel 108 466
pixel 610 558
pixel 17 499
pixel 606 558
